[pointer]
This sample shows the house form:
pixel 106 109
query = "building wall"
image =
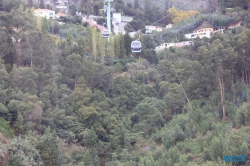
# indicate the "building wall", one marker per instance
pixel 45 12
pixel 169 26
pixel 204 30
pixel 117 17
pixel 159 29
pixel 154 28
pixel 150 27
pixel 200 34
pixel 179 44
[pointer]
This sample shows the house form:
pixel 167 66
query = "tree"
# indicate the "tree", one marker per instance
pixel 1 5
pixel 121 47
pixel 216 148
pixel 41 4
pixel 6 45
pixel 56 28
pixel 81 97
pixel 88 115
pixel 136 4
pixel 30 3
pixel 72 10
pixel 178 15
pixel 81 46
pixel 95 157
pixel 168 4
pixel 94 41
pixel 48 146
pixel 19 124
pixel 90 139
pixel 217 51
pixel 45 25
pixel 175 98
pixel 127 44
pixel 21 152
pixel 89 40
pixel 24 79
pixel 73 68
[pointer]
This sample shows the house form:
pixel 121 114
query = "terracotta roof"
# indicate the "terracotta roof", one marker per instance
pixel 93 23
pixel 60 14
pixel 44 10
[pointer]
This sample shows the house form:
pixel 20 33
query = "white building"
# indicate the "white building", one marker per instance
pixel 204 32
pixel 169 26
pixel 148 31
pixel 154 28
pixel 179 44
pixel 132 34
pixel 44 13
pixel 219 30
pixel 61 7
pixel 117 17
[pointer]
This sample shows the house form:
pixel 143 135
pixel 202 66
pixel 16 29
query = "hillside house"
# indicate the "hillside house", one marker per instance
pixel 221 30
pixel 148 31
pixel 44 13
pixel 117 17
pixel 154 28
pixel 178 44
pixel 169 26
pixel 93 23
pixel 204 32
pixel 231 26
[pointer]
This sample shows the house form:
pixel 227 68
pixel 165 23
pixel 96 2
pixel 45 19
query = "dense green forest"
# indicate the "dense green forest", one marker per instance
pixel 65 99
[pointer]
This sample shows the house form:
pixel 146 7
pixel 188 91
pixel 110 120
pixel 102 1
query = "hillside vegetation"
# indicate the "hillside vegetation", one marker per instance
pixel 66 100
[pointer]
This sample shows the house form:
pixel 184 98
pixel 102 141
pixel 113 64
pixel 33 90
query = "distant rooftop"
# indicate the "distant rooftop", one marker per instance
pixel 43 10
pixel 126 18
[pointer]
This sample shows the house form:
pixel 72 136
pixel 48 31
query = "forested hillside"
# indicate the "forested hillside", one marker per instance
pixel 68 97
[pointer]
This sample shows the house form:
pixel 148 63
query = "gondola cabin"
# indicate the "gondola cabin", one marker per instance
pixel 105 33
pixel 136 46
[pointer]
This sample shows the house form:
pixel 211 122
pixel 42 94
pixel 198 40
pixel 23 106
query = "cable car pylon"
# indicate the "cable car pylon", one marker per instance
pixel 106 33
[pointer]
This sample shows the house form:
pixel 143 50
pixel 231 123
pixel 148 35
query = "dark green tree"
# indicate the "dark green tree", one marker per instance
pixel 30 3
pixel 48 146
pixel 41 4
pixel 136 4
pixel 45 25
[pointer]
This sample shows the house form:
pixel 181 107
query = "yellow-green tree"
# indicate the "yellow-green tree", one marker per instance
pixel 178 15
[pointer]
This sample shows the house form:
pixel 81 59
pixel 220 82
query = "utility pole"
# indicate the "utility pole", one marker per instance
pixel 108 16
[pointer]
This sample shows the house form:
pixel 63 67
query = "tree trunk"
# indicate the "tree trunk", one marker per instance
pixel 219 74
pixel 44 62
pixel 248 78
pixel 233 89
pixel 31 61
pixel 222 97
pixel 75 84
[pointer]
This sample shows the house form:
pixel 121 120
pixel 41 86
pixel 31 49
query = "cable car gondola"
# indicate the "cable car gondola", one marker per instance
pixel 136 46
pixel 105 33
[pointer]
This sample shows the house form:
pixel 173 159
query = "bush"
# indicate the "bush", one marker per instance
pixel 5 128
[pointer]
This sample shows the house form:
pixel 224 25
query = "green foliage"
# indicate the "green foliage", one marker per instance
pixel 5 128
pixel 131 113
pixel 242 114
pixel 90 138
pixel 21 152
pixel 49 150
